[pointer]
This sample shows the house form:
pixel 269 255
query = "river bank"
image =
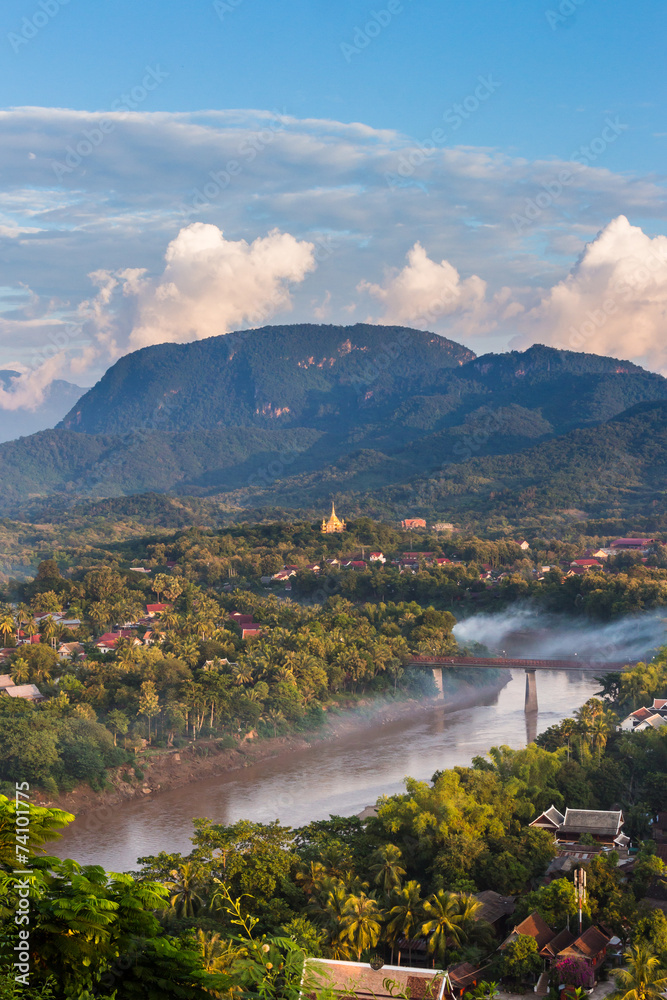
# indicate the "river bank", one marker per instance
pixel 339 771
pixel 162 770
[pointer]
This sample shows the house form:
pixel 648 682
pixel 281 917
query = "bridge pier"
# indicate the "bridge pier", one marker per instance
pixel 437 677
pixel 531 691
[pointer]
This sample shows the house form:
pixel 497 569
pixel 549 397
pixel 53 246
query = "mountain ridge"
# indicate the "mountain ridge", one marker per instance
pixel 362 411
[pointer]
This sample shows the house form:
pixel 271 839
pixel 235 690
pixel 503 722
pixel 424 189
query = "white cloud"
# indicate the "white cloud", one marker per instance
pixel 210 285
pixel 316 180
pixel 425 292
pixel 28 390
pixel 613 302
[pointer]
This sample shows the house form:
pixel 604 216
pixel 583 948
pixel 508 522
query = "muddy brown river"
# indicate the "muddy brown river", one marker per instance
pixel 340 777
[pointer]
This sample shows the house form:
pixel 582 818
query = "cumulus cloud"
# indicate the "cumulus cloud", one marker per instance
pixel 613 301
pixel 210 285
pixel 425 292
pixel 28 389
pixel 326 183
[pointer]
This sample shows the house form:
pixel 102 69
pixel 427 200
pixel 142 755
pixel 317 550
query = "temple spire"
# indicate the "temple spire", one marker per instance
pixel 334 524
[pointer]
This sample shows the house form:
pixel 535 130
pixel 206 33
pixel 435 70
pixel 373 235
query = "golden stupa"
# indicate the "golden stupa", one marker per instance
pixel 333 524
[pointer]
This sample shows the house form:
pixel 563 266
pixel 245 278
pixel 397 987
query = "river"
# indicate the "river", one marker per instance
pixel 340 777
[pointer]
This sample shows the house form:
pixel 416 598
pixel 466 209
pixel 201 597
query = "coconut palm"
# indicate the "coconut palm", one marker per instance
pixel 242 674
pixel 642 978
pixel 311 876
pixel 7 624
pixel 184 899
pixel 42 672
pixel 443 923
pixel 187 650
pixel 387 870
pixel 20 671
pixel 362 923
pixel 406 914
pixel 275 717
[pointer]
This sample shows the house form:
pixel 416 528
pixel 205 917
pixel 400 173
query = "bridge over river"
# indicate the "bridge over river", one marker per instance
pixel 439 663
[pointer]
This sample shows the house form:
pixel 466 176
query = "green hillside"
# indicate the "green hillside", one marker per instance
pixel 284 417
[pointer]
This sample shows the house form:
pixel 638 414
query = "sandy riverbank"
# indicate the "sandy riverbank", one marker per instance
pixel 166 769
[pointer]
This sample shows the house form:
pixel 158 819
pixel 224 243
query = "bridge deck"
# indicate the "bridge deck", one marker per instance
pixel 500 661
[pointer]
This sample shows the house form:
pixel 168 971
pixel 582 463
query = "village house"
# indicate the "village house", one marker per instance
pixel 377 557
pixel 523 544
pixel 655 721
pixel 589 947
pixel 283 574
pixel 533 926
pixel 362 981
pixel 632 545
pixel 586 564
pixel 410 523
pixel 108 642
pixel 605 827
pixel 646 718
pixel 67 650
pixel 495 908
pixel 251 631
pixel 29 692
pixel 659 834
pixel 442 526
pixel 152 610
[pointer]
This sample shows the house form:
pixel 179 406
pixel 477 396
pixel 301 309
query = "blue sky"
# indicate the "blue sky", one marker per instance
pixel 560 73
pixel 406 143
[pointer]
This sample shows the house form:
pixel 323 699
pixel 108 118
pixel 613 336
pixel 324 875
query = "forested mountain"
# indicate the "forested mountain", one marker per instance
pixel 287 376
pixel 385 417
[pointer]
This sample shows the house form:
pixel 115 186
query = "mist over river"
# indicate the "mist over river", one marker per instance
pixel 340 776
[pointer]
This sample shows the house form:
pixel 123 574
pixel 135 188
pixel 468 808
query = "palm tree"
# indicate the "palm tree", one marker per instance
pixel 443 923
pixel 362 923
pixel 20 671
pixel 406 914
pixel 311 876
pixel 387 871
pixel 42 672
pixel 642 979
pixel 275 716
pixel 217 954
pixel 7 625
pixel 187 650
pixel 171 620
pixel 242 674
pixel 184 899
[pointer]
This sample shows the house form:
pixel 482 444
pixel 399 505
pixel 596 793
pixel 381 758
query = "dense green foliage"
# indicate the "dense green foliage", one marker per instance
pixel 251 900
pixel 345 635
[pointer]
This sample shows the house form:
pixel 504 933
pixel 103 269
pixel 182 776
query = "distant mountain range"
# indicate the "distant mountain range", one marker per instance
pixel 59 398
pixel 391 420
